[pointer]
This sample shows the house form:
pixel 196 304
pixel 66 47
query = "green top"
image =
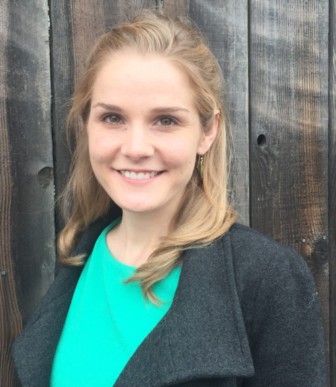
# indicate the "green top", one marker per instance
pixel 107 320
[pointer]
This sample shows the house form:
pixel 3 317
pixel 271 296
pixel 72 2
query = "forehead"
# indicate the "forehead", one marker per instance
pixel 149 79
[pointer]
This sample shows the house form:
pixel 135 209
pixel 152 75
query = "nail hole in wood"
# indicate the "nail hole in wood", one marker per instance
pixel 261 140
pixel 45 176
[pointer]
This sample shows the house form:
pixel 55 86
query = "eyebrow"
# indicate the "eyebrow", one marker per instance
pixel 155 110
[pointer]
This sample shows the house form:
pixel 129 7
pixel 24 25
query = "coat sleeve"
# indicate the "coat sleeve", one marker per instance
pixel 286 337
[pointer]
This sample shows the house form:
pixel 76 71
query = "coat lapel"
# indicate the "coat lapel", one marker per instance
pixel 201 336
pixel 33 351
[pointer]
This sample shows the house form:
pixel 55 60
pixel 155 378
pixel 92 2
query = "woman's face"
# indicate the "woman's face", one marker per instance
pixel 144 132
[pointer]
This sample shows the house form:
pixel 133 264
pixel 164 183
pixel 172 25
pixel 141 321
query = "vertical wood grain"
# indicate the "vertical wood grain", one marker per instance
pixel 289 129
pixel 62 70
pixel 75 26
pixel 225 25
pixel 176 8
pixel 11 322
pixel 29 127
pixel 332 188
pixel 27 233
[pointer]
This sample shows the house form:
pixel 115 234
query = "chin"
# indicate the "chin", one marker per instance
pixel 136 207
pixel 138 210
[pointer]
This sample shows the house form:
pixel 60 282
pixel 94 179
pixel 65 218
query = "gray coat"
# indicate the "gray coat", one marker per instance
pixel 245 313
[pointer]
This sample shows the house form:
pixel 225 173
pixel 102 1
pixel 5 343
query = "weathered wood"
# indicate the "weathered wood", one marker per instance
pixel 225 25
pixel 289 129
pixel 75 26
pixel 29 128
pixel 176 8
pixel 62 88
pixel 11 323
pixel 27 230
pixel 332 189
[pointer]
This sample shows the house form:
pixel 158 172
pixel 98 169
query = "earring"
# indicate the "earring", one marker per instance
pixel 201 166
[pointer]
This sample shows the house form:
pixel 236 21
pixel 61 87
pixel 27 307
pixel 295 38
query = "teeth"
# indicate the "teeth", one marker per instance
pixel 138 176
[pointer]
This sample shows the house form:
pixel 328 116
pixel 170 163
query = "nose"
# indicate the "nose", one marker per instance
pixel 137 143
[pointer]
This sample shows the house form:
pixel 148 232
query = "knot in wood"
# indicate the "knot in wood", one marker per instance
pixel 320 253
pixel 45 176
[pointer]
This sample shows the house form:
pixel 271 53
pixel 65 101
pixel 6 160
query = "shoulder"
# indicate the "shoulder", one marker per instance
pixel 280 308
pixel 254 252
pixel 245 239
pixel 267 272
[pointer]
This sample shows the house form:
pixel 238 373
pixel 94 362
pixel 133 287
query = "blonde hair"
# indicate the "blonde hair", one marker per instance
pixel 205 213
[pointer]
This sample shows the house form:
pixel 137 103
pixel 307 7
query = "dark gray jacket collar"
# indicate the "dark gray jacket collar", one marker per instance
pixel 201 336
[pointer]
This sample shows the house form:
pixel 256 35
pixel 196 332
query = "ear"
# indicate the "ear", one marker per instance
pixel 209 137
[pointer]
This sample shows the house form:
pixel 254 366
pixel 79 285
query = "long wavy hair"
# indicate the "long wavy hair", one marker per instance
pixel 204 214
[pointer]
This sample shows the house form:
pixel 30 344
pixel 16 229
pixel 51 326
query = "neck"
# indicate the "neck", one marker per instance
pixel 138 235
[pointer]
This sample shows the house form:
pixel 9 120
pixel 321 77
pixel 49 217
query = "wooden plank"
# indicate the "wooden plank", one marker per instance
pixel 11 323
pixel 29 124
pixel 176 8
pixel 332 188
pixel 225 25
pixel 27 230
pixel 289 129
pixel 75 26
pixel 62 88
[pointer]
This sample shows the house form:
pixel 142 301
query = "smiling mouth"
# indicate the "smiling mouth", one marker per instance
pixel 139 175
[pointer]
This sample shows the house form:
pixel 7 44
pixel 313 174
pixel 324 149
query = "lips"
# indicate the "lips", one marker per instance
pixel 139 175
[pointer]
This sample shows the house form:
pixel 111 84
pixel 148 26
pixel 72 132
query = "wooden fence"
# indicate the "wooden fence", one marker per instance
pixel 279 63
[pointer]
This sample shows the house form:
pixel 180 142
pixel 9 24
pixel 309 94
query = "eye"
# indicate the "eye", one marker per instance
pixel 112 119
pixel 167 121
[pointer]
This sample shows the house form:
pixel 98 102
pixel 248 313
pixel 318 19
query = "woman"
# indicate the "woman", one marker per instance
pixel 160 286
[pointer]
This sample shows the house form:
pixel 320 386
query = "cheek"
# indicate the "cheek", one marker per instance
pixel 100 148
pixel 181 155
